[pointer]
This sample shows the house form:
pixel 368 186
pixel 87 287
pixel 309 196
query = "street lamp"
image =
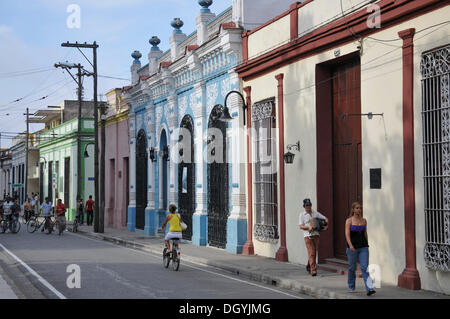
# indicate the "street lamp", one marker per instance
pixel 86 154
pixel 225 117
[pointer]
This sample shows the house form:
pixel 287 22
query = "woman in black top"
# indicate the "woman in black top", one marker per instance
pixel 357 248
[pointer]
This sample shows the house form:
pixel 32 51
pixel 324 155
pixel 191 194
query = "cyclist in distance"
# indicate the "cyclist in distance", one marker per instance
pixel 175 231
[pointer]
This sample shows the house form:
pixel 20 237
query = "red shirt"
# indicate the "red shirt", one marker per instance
pixel 90 204
pixel 60 210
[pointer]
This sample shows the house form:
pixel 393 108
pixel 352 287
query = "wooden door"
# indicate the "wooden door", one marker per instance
pixel 347 163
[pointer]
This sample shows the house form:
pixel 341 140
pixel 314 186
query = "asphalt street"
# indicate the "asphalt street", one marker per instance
pixel 46 266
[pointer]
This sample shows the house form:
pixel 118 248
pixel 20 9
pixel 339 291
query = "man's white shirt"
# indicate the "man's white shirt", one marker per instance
pixel 305 220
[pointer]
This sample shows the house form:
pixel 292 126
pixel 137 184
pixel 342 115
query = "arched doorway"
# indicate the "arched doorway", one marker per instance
pixel 141 178
pixel 186 175
pixel 218 196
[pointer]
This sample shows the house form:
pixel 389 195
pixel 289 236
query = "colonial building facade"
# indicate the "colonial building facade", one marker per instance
pixel 117 160
pixel 359 95
pixel 181 151
pixel 57 144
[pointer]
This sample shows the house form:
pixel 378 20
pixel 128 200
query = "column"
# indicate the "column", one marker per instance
pixel 200 217
pixel 249 248
pixel 409 278
pixel 282 253
pixel 237 221
pixel 131 224
pixel 172 141
pixel 151 215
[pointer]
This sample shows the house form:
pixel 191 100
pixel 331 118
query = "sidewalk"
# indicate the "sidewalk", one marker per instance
pixel 6 291
pixel 261 269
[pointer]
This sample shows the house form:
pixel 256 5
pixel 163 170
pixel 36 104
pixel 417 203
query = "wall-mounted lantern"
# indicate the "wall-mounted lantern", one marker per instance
pixel 152 154
pixel 289 157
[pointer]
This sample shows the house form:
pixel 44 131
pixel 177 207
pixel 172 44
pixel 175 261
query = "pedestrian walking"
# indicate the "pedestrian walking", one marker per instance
pixel 311 233
pixel 357 248
pixel 61 216
pixel 90 204
pixel 80 212
pixel 28 209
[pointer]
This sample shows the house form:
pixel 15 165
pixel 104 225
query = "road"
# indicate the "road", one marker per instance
pixel 108 271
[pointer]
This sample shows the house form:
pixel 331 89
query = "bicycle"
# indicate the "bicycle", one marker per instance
pixel 174 255
pixel 12 224
pixel 75 225
pixel 34 223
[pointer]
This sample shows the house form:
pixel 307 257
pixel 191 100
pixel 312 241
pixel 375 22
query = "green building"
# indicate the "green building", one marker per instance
pixel 58 160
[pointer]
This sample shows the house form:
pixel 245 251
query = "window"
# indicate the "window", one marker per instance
pixel 436 156
pixel 265 163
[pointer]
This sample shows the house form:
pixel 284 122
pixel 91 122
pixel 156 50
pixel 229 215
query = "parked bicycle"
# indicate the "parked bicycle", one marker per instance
pixel 174 255
pixel 75 225
pixel 36 222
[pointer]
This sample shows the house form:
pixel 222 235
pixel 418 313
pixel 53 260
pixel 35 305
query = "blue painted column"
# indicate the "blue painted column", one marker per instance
pixel 237 221
pixel 151 222
pixel 200 217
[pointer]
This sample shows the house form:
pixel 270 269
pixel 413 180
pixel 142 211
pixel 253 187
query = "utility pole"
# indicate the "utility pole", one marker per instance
pixel 94 47
pixel 27 149
pixel 67 67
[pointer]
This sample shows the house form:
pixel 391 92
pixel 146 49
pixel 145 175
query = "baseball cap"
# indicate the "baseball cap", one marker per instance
pixel 307 202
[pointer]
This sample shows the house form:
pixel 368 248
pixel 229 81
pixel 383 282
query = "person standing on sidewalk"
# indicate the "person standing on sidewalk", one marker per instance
pixel 80 212
pixel 90 210
pixel 306 223
pixel 61 216
pixel 357 248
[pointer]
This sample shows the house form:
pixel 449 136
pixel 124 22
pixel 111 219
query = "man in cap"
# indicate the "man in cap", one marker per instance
pixel 306 223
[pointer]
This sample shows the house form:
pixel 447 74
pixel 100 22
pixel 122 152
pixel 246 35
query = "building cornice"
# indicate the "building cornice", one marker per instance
pixel 334 34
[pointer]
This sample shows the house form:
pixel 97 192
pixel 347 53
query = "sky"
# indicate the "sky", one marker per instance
pixel 31 33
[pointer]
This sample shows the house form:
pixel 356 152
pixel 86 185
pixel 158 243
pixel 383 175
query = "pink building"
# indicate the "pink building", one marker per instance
pixel 116 161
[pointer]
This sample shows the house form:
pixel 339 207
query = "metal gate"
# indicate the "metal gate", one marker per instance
pixel 218 197
pixel 141 178
pixel 436 159
pixel 186 176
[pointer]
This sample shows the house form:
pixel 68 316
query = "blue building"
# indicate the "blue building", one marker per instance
pixel 181 149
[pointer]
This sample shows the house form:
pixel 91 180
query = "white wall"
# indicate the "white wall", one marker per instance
pixel 382 145
pixel 252 13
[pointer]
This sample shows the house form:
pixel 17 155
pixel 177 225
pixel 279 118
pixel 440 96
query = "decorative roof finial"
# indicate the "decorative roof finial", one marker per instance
pixel 177 24
pixel 205 5
pixel 136 55
pixel 154 41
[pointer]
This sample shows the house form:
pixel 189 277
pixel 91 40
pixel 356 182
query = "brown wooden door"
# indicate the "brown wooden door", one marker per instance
pixel 347 163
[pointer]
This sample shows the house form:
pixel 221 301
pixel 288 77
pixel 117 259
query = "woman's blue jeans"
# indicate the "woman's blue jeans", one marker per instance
pixel 361 254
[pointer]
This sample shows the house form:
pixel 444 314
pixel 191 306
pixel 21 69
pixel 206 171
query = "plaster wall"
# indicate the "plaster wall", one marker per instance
pixel 382 143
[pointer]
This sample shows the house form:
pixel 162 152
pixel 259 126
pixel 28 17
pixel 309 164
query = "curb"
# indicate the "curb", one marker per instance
pixel 258 276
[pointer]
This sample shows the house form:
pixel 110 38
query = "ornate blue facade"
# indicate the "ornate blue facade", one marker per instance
pixel 181 88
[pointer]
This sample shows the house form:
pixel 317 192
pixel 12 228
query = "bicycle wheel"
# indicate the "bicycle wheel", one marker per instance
pixel 15 226
pixel 3 226
pixel 175 259
pixel 166 258
pixel 32 225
